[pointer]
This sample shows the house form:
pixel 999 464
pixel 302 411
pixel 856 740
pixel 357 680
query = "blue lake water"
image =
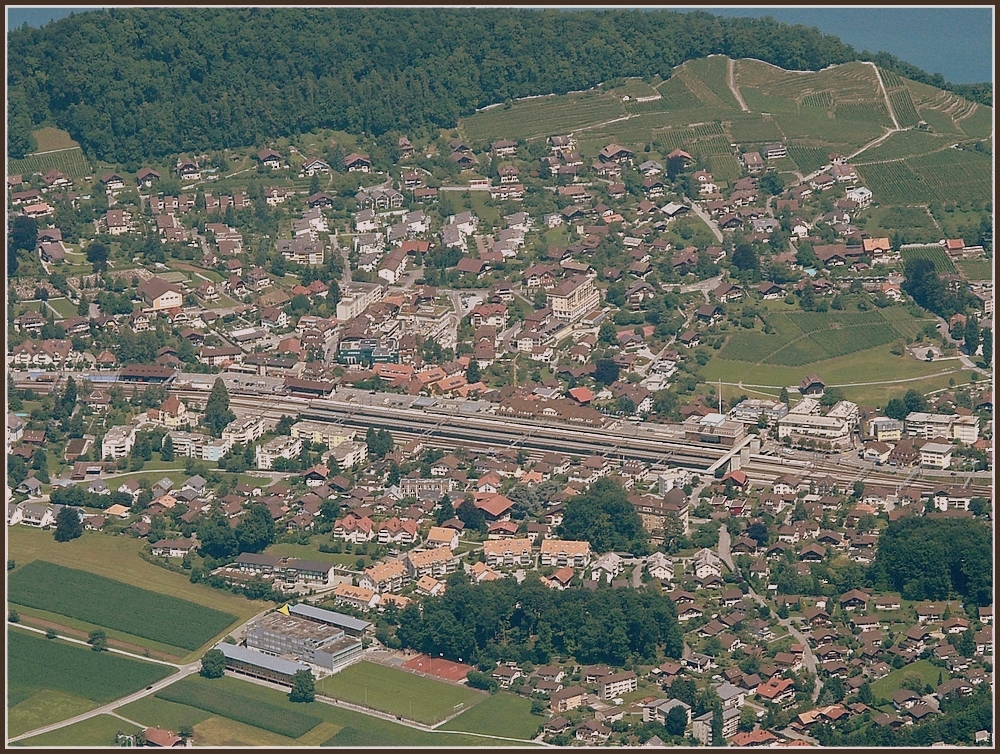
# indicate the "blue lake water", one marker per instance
pixel 955 42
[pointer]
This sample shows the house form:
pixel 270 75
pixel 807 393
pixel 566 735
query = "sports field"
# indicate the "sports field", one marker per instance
pixel 50 680
pixel 115 604
pixel 500 715
pixel 398 692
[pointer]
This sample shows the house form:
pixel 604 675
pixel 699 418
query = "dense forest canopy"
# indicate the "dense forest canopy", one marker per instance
pixel 137 83
pixel 530 622
pixel 934 559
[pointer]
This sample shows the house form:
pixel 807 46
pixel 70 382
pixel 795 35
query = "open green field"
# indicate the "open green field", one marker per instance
pixel 236 706
pixel 337 725
pixel 64 306
pixel 398 692
pixel 886 687
pixel 915 222
pixel 50 138
pixel 875 365
pixel 115 604
pixel 51 680
pixel 96 731
pixel 942 262
pixel 312 552
pixel 159 713
pixel 117 557
pixel 976 269
pixel 500 715
pixel 800 338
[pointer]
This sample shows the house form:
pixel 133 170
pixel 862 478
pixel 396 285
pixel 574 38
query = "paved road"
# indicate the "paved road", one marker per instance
pixel 809 659
pixel 706 218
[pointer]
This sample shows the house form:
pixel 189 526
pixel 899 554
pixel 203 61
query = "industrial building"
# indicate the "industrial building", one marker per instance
pixel 317 643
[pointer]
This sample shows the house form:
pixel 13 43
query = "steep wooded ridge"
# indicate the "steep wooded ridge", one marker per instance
pixel 135 83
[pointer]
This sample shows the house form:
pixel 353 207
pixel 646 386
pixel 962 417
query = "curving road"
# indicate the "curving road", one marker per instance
pixel 808 658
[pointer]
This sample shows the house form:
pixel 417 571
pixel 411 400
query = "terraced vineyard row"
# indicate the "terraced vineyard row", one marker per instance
pixel 865 111
pixel 70 161
pixel 902 105
pixel 809 158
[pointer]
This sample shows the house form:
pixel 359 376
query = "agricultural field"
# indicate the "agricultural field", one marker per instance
pixel 499 715
pixel 70 161
pixel 398 692
pixel 114 604
pixel 160 713
pixel 809 159
pixel 957 175
pixel 934 253
pixel 677 96
pixel 50 680
pixel 49 139
pixel 118 558
pixel 867 111
pixel 902 106
pixel 895 183
pixel 95 731
pixel 750 128
pixel 713 73
pixel 979 124
pixel 235 706
pixel 724 167
pixel 903 144
pixel 541 117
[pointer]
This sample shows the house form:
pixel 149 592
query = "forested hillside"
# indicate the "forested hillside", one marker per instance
pixel 136 83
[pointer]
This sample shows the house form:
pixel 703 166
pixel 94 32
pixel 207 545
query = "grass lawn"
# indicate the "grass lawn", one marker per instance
pixel 311 551
pixel 51 680
pixel 886 687
pixel 97 731
pixel 872 365
pixel 160 713
pixel 64 306
pixel 53 138
pixel 501 715
pixel 397 692
pixel 117 557
pixel 976 269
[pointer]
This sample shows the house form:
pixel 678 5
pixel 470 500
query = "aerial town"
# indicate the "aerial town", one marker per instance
pixel 532 421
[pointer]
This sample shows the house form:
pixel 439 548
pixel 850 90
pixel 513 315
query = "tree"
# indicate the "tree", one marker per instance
pixel 865 695
pixel 256 529
pixel 676 721
pixel 97 255
pixel 748 719
pixel 683 689
pixel 303 687
pixel 606 371
pixel 896 409
pixel 98 641
pixel 217 414
pixel 23 233
pixel 446 511
pixel 213 664
pixel 472 374
pixel 167 449
pixel 745 258
pixel 186 732
pixel 604 517
pixel 68 524
pixel 914 401
pixel 470 515
pixel 771 183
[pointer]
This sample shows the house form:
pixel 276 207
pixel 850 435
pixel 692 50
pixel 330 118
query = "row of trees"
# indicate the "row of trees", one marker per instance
pixel 136 83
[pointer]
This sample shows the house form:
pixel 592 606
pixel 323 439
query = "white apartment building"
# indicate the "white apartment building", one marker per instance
pixel 574 298
pixel 356 297
pixel 508 553
pixel 935 455
pixel 244 431
pixel 805 420
pixel 322 433
pixel 279 447
pixel 749 411
pixel 118 441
